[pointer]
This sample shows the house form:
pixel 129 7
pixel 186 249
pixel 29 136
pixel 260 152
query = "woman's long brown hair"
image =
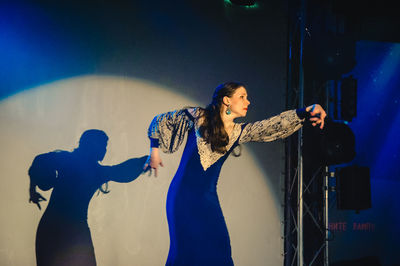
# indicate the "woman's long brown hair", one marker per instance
pixel 212 128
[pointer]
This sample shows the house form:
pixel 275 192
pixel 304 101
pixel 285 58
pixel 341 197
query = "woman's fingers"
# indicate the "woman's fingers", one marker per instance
pixel 152 164
pixel 317 115
pixel 318 121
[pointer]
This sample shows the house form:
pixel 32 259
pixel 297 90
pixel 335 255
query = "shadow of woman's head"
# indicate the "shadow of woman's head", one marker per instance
pixel 93 145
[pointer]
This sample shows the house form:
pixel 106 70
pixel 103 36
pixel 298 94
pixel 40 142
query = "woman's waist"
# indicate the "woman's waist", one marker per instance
pixel 194 184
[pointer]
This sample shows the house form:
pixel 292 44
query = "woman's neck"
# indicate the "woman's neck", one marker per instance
pixel 228 122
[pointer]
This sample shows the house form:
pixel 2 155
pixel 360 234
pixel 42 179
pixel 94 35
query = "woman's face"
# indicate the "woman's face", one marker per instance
pixel 238 102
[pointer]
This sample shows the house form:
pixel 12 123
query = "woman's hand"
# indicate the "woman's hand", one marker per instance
pixel 153 161
pixel 317 115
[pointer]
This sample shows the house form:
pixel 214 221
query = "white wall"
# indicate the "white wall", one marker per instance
pixel 129 224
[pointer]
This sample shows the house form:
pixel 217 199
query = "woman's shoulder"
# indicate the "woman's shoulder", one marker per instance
pixel 195 112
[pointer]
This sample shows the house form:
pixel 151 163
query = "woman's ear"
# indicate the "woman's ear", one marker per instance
pixel 226 100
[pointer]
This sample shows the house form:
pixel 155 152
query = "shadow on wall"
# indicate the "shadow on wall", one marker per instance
pixel 63 236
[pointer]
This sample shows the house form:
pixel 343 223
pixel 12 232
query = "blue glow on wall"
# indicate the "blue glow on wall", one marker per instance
pixel 378 113
pixel 374 232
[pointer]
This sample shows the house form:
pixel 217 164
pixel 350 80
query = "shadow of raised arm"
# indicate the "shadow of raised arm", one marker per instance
pixel 127 171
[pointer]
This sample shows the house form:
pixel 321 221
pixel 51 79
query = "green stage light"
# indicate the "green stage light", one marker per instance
pixel 244 3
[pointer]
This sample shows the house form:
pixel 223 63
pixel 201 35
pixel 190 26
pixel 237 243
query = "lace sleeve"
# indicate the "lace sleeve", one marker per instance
pixel 276 127
pixel 168 130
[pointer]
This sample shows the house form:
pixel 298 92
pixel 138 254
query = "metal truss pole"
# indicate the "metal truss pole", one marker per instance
pixel 326 214
pixel 300 203
pixel 329 91
pixel 300 243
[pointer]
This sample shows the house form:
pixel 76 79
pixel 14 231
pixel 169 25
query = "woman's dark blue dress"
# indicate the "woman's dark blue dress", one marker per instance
pixel 197 227
pixel 198 232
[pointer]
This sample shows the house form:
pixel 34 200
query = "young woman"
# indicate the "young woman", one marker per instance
pixel 198 233
pixel 63 236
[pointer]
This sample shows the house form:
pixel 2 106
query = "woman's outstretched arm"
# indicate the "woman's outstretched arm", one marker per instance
pixel 282 125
